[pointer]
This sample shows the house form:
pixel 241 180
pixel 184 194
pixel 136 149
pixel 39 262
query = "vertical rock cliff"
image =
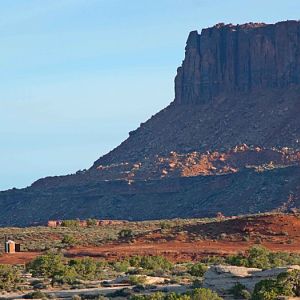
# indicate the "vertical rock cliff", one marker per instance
pixel 226 59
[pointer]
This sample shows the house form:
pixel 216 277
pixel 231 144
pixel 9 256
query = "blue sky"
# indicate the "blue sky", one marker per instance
pixel 77 75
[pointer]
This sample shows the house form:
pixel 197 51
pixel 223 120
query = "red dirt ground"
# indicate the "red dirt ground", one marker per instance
pixel 277 232
pixel 19 258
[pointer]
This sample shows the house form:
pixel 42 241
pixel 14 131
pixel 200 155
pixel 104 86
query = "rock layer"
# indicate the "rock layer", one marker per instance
pixel 225 59
pixel 221 278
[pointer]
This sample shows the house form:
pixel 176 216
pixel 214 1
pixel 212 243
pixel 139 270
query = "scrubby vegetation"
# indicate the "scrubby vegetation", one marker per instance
pixel 197 294
pixel 59 270
pixel 125 234
pixel 198 269
pixel 260 257
pixel 9 277
pixel 286 284
pixel 239 291
pixel 43 238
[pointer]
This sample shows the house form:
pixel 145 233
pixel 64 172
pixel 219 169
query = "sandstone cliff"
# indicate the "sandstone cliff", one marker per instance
pixel 226 59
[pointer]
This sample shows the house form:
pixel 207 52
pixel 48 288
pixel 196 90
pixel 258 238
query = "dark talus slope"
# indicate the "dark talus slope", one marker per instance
pixel 239 193
pixel 237 84
pixel 267 118
pixel 228 142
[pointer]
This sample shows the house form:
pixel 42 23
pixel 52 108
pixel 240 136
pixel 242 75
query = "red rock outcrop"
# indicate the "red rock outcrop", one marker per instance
pixel 238 58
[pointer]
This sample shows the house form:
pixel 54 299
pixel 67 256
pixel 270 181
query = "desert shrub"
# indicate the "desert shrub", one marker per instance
pixel 197 269
pixel 165 225
pixel 59 270
pixel 239 291
pixel 286 284
pixel 290 281
pixel 86 268
pixel 69 240
pixel 54 266
pixel 155 263
pixel 47 265
pixel 65 275
pixel 70 223
pixel 245 294
pixel 278 259
pixel 91 222
pixel 197 294
pixel 204 294
pixel 9 277
pixel 125 234
pixel 135 261
pixel 124 293
pixel 35 295
pixel 260 257
pixel 136 280
pixel 121 266
pixel 266 290
pixel 237 260
pixel 213 260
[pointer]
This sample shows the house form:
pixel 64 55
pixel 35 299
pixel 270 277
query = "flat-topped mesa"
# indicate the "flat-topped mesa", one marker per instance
pixel 226 59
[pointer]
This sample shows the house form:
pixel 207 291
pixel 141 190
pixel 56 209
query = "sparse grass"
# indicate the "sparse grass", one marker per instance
pixel 43 238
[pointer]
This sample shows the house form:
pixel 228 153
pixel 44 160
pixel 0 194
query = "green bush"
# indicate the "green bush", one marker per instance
pixel 121 266
pixel 290 282
pixel 47 265
pixel 239 291
pixel 260 257
pixel 55 267
pixel 266 290
pixel 86 268
pixel 135 280
pixel 197 294
pixel 91 222
pixel 126 234
pixel 204 294
pixel 69 240
pixel 197 269
pixel 9 277
pixel 155 263
pixel 286 284
pixel 213 260
pixel 165 225
pixel 35 295
pixel 70 223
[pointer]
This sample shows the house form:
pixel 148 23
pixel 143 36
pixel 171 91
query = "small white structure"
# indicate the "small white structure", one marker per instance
pixel 10 246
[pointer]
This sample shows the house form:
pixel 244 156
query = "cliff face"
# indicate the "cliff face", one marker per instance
pixel 226 59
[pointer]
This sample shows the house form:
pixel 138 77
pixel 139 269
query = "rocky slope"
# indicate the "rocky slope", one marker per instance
pixel 228 142
pixel 237 84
